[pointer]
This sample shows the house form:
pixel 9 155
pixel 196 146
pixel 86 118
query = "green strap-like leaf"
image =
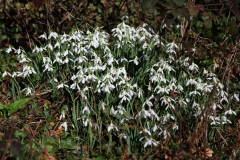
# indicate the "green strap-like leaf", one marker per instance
pixel 15 106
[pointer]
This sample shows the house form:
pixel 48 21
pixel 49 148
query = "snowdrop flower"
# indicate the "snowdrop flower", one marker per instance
pixel 143 114
pixel 58 58
pixel 195 104
pixel 205 72
pixel 122 135
pixel 215 66
pixel 225 120
pixel 120 110
pixel 179 87
pixel 81 59
pixel 230 112
pixel 215 120
pixel 75 85
pixel 37 49
pixel 194 93
pixel 29 91
pixel 53 34
pixel 161 89
pixel 145 131
pixel 182 101
pixel 47 64
pixel 86 110
pixel 222 93
pixel 48 67
pixel 64 125
pixel 167 117
pixel 167 67
pixel 27 70
pixel 175 127
pixel 122 59
pixel 9 49
pixel 124 96
pixel 113 112
pixel 61 85
pixel 18 51
pixel 165 134
pixel 184 62
pixel 23 58
pixel 149 86
pixel 149 141
pixel 205 87
pixel 135 60
pixel 66 60
pixel 140 92
pixel 145 45
pixel 15 74
pixel 112 126
pixel 148 102
pixel 86 122
pixel 155 127
pixel 220 85
pixel 107 87
pixel 153 114
pixel 171 47
pixel 167 100
pixel 193 67
pixel 236 96
pixel 62 116
pixel 54 80
pixel 103 106
pixel 43 36
pixel 191 81
pixel 164 25
pixel 57 45
pixel 224 99
pixel 5 73
pixel 66 53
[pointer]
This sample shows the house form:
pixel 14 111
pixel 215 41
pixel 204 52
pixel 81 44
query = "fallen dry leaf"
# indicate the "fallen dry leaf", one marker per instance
pixel 125 154
pixel 52 124
pixel 209 152
pixel 59 131
pixel 46 156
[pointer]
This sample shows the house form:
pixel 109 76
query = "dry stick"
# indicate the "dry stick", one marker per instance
pixel 8 144
pixel 206 109
pixel 137 11
pixel 72 13
pixel 25 29
pixel 149 153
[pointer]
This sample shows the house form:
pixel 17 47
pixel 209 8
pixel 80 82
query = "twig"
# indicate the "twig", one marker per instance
pixel 8 144
pixel 137 11
pixel 30 44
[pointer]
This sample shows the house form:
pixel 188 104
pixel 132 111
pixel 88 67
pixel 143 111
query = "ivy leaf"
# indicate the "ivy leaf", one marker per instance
pixel 200 7
pixel 149 5
pixel 185 13
pixel 178 2
pixel 193 10
pixel 208 23
pixel 209 34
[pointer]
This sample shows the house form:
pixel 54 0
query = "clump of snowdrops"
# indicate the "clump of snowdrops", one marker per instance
pixel 129 89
